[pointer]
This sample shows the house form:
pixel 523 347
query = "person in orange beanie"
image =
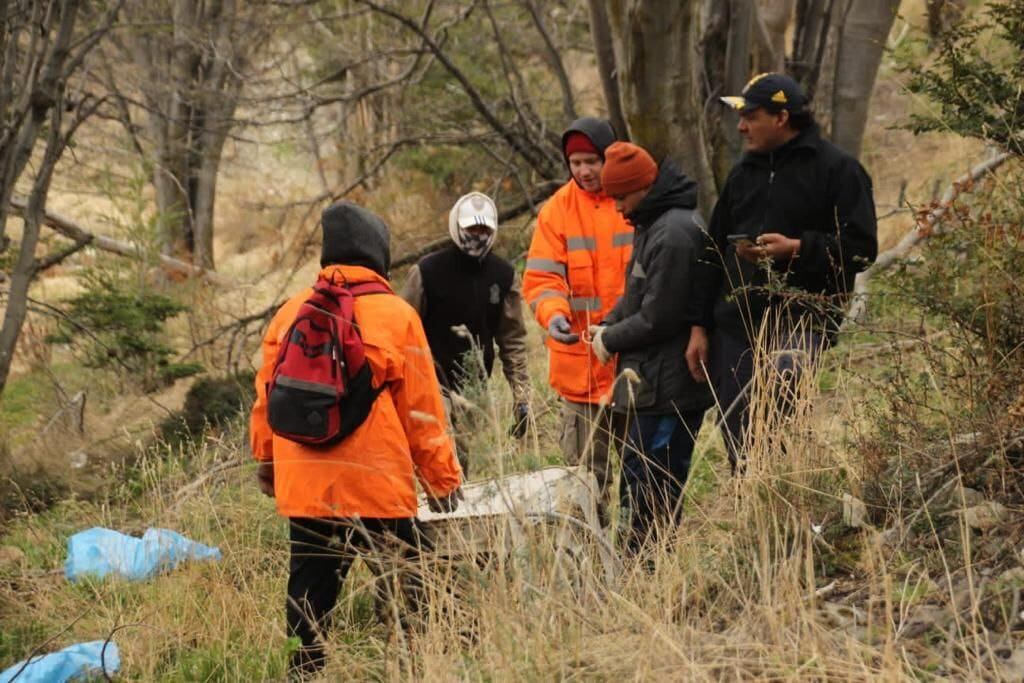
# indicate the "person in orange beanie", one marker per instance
pixel 649 329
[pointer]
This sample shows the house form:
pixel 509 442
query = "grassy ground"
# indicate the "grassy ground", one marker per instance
pixel 764 579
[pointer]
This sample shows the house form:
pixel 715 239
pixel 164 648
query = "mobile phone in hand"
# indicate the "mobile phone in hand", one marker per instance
pixel 741 240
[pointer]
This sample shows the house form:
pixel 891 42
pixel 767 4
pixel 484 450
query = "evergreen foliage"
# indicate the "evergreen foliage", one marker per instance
pixel 977 79
pixel 119 326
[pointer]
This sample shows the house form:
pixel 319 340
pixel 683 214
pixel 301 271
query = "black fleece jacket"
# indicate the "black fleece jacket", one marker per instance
pixel 807 189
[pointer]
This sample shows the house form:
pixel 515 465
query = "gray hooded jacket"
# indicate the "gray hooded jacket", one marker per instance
pixel 650 325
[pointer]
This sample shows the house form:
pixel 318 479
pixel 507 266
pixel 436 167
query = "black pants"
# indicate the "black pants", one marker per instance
pixel 322 552
pixel 732 365
pixel 655 465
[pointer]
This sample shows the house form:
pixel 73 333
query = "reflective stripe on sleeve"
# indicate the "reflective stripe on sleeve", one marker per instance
pixel 585 303
pixel 546 265
pixel 622 239
pixel 580 244
pixel 546 294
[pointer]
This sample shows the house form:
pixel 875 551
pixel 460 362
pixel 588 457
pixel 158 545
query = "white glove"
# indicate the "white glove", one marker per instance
pixel 597 344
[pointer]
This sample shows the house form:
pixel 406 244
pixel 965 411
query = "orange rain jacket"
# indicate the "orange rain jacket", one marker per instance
pixel 371 472
pixel 576 266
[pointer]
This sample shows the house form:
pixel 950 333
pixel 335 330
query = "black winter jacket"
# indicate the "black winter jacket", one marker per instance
pixel 650 325
pixel 807 189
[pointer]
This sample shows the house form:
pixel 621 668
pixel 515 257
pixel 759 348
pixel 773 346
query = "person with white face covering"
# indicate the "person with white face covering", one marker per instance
pixel 470 302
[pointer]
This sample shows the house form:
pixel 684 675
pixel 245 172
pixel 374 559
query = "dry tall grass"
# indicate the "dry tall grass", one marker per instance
pixel 762 581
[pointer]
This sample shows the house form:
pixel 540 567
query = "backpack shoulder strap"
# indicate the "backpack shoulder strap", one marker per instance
pixel 369 288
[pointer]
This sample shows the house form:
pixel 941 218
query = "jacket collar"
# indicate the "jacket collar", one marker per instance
pixel 584 194
pixel 805 139
pixel 466 261
pixel 352 274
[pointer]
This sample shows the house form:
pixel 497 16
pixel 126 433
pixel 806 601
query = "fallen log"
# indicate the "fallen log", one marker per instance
pixel 74 231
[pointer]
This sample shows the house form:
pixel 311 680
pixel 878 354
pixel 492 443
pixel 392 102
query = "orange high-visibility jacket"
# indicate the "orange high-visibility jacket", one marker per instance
pixel 371 472
pixel 576 266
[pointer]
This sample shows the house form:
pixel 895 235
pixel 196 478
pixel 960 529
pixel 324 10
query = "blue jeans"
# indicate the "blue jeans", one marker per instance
pixel 655 464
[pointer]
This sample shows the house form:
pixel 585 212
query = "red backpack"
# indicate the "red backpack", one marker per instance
pixel 322 387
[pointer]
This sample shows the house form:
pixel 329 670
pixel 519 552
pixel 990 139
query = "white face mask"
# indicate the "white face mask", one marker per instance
pixel 471 212
pixel 475 245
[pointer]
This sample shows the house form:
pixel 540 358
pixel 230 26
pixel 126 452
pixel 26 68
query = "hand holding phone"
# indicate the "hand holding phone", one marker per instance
pixel 741 240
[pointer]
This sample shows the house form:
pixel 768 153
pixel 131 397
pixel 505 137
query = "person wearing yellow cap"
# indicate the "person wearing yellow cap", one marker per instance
pixel 470 302
pixel 794 223
pixel 649 328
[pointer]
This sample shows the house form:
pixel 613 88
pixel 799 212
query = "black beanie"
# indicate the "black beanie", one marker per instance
pixel 354 236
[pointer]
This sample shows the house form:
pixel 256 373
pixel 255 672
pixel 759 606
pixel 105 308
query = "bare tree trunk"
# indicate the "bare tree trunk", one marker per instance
pixel 25 267
pixel 191 83
pixel 41 52
pixel 656 50
pixel 822 91
pixel 601 34
pixel 177 214
pixel 773 18
pixel 726 43
pixel 812 25
pixel 862 42
pixel 742 14
pixel 22 117
pixel 204 197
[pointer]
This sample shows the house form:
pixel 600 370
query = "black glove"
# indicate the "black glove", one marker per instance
pixel 265 478
pixel 449 503
pixel 561 331
pixel 521 420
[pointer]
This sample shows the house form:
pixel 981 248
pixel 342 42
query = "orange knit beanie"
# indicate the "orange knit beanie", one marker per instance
pixel 627 168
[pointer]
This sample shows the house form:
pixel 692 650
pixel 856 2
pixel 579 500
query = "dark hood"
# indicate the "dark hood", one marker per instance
pixel 354 236
pixel 599 131
pixel 671 190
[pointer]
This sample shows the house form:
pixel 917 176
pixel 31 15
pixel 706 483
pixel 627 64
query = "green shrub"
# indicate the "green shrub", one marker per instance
pixel 118 324
pixel 210 402
pixel 975 84
pixel 947 403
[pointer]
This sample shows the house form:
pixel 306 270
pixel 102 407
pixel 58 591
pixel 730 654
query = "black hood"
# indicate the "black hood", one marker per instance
pixel 598 131
pixel 671 190
pixel 354 236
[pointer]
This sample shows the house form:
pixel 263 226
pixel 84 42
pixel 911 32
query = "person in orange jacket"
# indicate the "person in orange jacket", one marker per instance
pixel 358 495
pixel 575 273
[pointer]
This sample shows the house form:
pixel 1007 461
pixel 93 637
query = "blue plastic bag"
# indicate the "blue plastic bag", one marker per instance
pixel 81 659
pixel 98 552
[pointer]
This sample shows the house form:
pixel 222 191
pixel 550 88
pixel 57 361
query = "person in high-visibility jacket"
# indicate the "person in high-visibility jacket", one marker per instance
pixel 357 498
pixel 575 273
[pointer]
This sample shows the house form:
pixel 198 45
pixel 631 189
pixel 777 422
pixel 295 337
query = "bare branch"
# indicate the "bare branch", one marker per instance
pixel 528 152
pixel 929 224
pixel 74 231
pixel 554 60
pixel 57 258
